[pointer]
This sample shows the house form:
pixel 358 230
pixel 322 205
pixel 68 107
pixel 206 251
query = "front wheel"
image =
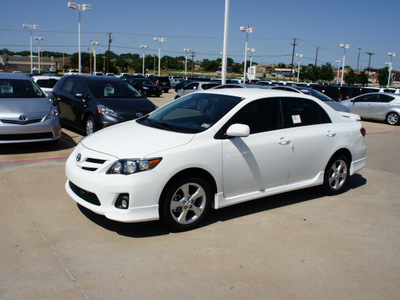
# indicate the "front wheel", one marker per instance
pixel 90 126
pixel 336 175
pixel 392 118
pixel 185 202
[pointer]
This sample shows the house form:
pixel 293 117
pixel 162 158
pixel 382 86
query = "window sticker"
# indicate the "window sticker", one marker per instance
pixel 296 119
pixel 205 125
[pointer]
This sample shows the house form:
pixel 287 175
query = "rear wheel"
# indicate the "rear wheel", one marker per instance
pixel 185 203
pixel 336 175
pixel 90 126
pixel 392 118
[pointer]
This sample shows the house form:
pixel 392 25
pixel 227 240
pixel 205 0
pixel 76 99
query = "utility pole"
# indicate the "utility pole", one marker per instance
pixel 109 46
pixel 369 61
pixel 291 66
pixel 358 57
pixel 316 58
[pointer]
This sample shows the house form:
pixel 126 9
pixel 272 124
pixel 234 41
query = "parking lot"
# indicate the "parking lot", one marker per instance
pixel 298 245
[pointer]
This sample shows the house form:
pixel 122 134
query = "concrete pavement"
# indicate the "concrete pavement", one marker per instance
pixel 298 245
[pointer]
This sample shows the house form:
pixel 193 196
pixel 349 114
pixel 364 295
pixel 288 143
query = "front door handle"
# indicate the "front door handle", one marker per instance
pixel 284 141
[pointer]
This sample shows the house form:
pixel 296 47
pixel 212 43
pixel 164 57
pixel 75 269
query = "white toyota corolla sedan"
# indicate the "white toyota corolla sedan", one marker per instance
pixel 214 149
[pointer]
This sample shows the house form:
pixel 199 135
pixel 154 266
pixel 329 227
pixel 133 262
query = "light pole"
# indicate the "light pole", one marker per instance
pixel 225 45
pixel 251 50
pixel 186 53
pixel 31 27
pixel 248 30
pixel 94 55
pixel 344 46
pixel 338 69
pixel 38 38
pixel 391 54
pixel 159 40
pixel 298 68
pixel 80 7
pixel 144 47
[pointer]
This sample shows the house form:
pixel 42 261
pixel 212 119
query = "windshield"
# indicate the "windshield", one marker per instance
pixel 191 114
pixel 13 88
pixel 113 89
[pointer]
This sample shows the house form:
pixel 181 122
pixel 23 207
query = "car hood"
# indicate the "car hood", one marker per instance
pixel 128 107
pixel 133 140
pixel 32 108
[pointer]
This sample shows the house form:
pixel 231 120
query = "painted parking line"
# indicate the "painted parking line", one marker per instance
pixel 382 132
pixel 32 160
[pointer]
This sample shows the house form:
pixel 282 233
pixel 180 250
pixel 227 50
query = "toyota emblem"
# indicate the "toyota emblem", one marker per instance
pixel 78 157
pixel 23 117
pixel 139 115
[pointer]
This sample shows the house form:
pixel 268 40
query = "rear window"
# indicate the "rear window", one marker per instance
pixel 47 83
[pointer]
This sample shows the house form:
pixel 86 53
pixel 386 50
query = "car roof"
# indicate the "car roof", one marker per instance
pixel 256 93
pixel 21 76
pixel 96 78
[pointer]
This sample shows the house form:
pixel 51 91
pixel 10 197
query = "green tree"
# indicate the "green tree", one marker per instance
pixel 326 72
pixel 363 78
pixel 351 77
pixel 383 76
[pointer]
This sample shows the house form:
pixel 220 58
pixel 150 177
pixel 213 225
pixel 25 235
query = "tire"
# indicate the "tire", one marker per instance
pixel 336 176
pixel 392 118
pixel 90 126
pixel 184 203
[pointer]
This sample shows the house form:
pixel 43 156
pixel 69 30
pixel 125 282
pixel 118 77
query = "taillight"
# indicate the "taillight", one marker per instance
pixel 363 131
pixel 156 82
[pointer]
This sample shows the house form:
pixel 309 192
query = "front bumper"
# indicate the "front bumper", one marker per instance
pixel 45 131
pixel 144 188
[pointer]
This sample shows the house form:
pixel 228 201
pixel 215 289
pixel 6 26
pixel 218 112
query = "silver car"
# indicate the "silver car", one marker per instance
pixel 376 106
pixel 26 114
pixel 194 87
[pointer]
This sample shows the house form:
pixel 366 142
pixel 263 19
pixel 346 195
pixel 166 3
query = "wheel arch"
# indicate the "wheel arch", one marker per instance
pixel 191 172
pixel 342 152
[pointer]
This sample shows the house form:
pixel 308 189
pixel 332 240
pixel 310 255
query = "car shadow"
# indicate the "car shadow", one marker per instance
pixel 64 143
pixel 156 228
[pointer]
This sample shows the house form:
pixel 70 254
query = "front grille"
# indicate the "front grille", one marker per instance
pixel 19 122
pixel 85 195
pixel 95 160
pixel 26 136
pixel 93 164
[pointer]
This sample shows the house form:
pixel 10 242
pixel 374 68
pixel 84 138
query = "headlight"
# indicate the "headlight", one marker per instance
pixel 106 111
pixel 52 114
pixel 131 166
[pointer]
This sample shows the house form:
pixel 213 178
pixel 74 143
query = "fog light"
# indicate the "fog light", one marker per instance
pixel 122 201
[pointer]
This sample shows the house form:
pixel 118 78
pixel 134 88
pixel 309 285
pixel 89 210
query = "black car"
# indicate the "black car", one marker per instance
pixel 161 81
pixel 145 86
pixel 91 103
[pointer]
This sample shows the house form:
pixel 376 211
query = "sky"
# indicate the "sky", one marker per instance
pixel 371 25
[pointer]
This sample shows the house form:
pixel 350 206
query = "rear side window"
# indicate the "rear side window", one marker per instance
pixel 303 112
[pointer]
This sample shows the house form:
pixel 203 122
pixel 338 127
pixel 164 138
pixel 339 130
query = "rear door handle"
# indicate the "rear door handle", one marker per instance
pixel 330 133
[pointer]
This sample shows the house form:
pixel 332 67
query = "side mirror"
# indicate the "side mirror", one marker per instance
pixel 81 97
pixel 238 130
